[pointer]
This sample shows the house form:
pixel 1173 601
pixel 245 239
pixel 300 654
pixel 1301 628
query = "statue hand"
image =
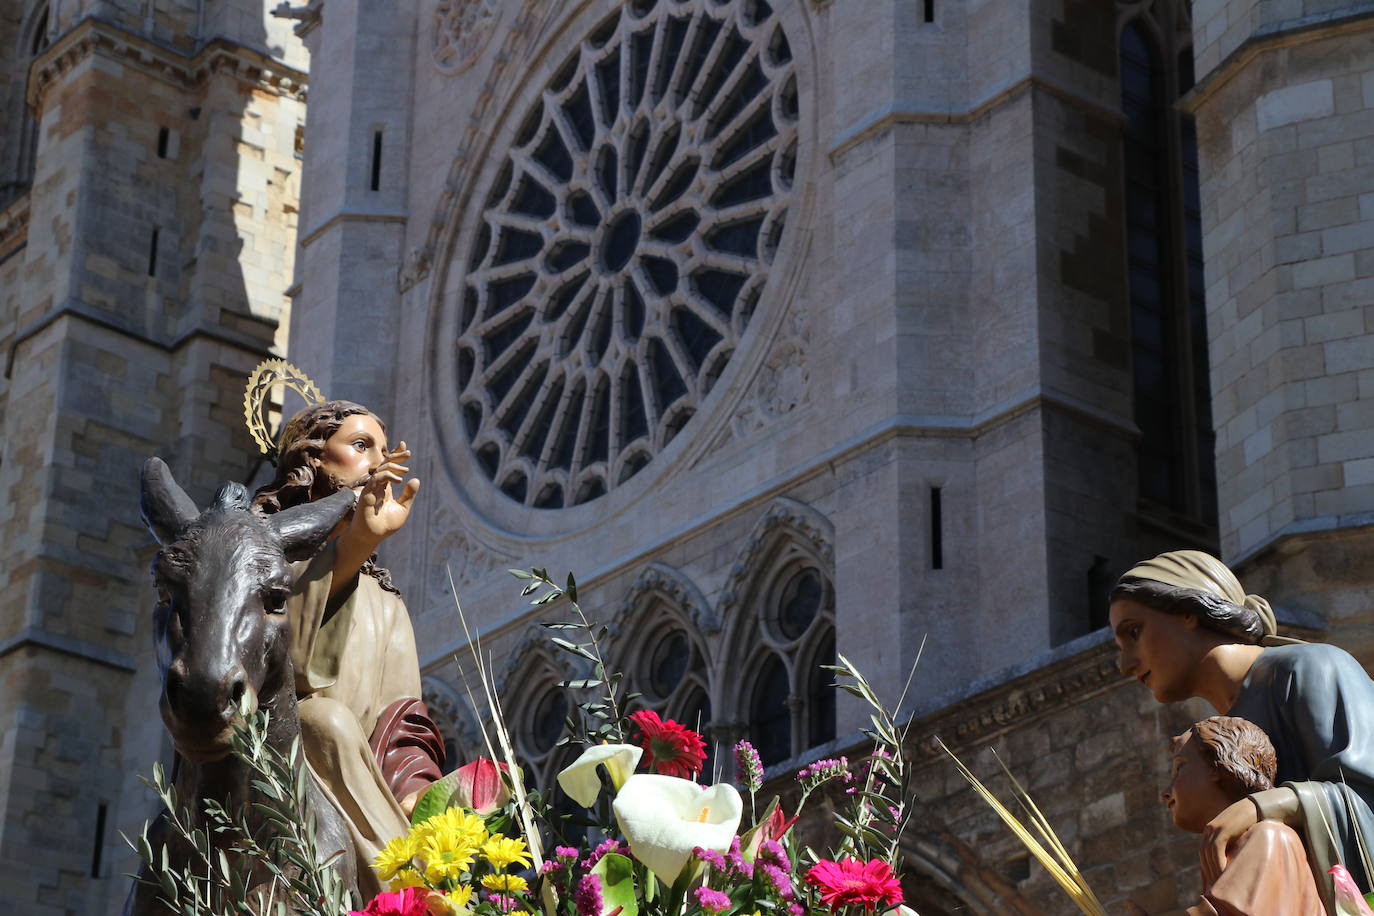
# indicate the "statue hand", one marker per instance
pixel 380 515
pixel 1220 834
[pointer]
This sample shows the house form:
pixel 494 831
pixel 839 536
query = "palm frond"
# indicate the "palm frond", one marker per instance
pixel 1056 860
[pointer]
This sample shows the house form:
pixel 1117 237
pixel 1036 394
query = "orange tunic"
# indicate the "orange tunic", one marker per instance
pixel 1267 875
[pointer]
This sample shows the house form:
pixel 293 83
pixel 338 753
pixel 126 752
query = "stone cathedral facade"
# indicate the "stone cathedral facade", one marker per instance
pixel 794 328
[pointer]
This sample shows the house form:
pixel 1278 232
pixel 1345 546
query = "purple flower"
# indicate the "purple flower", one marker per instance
pixel 502 902
pixel 710 857
pixel 711 900
pixel 736 863
pixel 780 880
pixel 795 909
pixel 772 851
pixel 748 766
pixel 588 896
pixel 551 866
pixel 818 772
pixel 607 847
pixel 566 853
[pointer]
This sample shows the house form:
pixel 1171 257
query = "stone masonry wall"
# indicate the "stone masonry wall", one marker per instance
pixel 1286 138
pixel 141 278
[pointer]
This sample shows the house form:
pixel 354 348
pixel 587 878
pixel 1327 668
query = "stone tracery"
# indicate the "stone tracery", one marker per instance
pixel 625 245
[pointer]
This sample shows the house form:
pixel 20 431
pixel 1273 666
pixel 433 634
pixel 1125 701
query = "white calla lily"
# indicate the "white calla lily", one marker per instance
pixel 579 778
pixel 665 817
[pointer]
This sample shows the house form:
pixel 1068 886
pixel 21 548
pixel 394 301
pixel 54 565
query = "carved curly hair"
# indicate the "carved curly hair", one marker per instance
pixel 296 482
pixel 1239 751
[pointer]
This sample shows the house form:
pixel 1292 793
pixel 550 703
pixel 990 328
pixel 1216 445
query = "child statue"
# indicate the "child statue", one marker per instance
pixel 366 734
pixel 1216 763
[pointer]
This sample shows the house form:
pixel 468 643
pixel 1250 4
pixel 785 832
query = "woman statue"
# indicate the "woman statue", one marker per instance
pixel 365 733
pixel 1186 628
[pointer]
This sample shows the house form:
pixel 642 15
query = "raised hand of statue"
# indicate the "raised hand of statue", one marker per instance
pixel 380 514
pixel 1220 834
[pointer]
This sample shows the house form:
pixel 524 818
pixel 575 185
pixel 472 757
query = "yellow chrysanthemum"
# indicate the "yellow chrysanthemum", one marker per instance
pixel 461 896
pixel 395 856
pixel 506 884
pixel 455 825
pixel 518 913
pixel 447 856
pixel 406 877
pixel 501 851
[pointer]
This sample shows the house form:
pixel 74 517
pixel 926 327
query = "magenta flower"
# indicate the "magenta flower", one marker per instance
pixel 780 880
pixel 413 901
pixel 715 901
pixel 852 881
pixel 588 896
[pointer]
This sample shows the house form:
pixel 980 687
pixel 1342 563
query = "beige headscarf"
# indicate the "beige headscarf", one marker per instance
pixel 1204 572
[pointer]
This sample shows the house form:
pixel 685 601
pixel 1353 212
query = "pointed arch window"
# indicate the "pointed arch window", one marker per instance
pixel 667 665
pixel 1172 395
pixel 790 705
pixel 33 41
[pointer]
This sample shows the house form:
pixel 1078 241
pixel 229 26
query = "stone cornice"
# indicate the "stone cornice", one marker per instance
pixel 1272 38
pixel 886 120
pixel 14 227
pixel 218 56
pixel 1017 702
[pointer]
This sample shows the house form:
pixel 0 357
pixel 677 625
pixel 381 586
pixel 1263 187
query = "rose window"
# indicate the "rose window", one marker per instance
pixel 625 245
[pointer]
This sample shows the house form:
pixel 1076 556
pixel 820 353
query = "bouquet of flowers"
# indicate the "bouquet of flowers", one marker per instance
pixel 653 839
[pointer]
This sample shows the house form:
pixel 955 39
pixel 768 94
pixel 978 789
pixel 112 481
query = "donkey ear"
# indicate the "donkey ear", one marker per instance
pixel 302 529
pixel 166 507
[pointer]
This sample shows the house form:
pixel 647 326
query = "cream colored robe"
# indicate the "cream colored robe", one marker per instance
pixel 349 669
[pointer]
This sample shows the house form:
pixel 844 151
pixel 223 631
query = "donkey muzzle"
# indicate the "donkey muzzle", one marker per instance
pixel 200 709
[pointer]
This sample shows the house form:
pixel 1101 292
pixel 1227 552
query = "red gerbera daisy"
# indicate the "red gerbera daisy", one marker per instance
pixel 851 881
pixel 670 748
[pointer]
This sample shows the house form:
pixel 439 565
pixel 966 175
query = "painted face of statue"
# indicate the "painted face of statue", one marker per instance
pixel 357 448
pixel 1195 795
pixel 1160 650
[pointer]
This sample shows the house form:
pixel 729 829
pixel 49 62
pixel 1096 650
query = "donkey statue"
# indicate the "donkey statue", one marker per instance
pixel 223 577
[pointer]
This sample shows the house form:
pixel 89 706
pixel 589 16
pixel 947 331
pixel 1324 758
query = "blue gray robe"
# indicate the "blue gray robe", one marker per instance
pixel 1317 705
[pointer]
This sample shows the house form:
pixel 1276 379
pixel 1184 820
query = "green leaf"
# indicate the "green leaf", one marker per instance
pixel 435 799
pixel 519 574
pixel 617 884
pixel 571 589
pixel 572 647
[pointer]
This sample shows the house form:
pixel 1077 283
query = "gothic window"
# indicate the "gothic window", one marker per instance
pixel 536 711
pixel 790 704
pixel 34 41
pixel 1177 478
pixel 666 664
pixel 624 244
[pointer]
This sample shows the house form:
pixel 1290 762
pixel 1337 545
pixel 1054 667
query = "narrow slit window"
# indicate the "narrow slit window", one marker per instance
pixel 929 10
pixel 937 540
pixel 101 812
pixel 163 136
pixel 376 160
pixel 152 253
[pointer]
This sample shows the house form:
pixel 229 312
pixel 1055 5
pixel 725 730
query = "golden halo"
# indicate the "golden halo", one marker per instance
pixel 260 381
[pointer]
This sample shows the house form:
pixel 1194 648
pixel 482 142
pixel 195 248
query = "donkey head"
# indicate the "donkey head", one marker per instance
pixel 222 579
